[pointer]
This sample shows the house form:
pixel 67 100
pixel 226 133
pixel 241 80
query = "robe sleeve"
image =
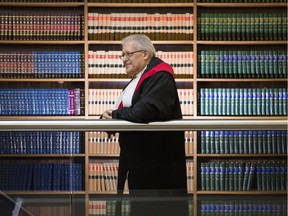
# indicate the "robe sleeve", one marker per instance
pixel 153 101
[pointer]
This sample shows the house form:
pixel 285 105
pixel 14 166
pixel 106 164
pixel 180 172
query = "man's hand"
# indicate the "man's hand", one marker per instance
pixel 107 114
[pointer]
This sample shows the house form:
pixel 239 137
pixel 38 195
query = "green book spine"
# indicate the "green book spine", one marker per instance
pixel 283 141
pixel 231 142
pixel 248 26
pixel 246 175
pixel 280 64
pixel 278 26
pixel 212 175
pixel 257 64
pixel 217 64
pixel 226 176
pixel 228 34
pixel 231 176
pixel 240 142
pixel 249 101
pixel 221 64
pixel 233 103
pixel 230 64
pixel 207 23
pixel 217 101
pixel 217 142
pixel 239 27
pixel 236 142
pixel 274 28
pixel 203 176
pixel 263 27
pixel 254 101
pixel 256 19
pixel 242 35
pixel 260 142
pixel 227 102
pixel 240 175
pixel 238 102
pixel 267 102
pixel 236 176
pixel 226 142
pixel 251 26
pixel 226 23
pixel 271 101
pixel 273 142
pixel 252 64
pixel 208 142
pixel 264 142
pixel 208 64
pixel 245 62
pixel 245 142
pixel 225 62
pixel 233 17
pixel 203 64
pixel 279 142
pixel 259 174
pixel 250 142
pixel 212 64
pixel 203 142
pixel 255 142
pixel 245 101
pixel 270 64
pixel 248 66
pixel 217 176
pixel 211 100
pixel 268 176
pixel 284 100
pixel 283 177
pixel 208 176
pixel 221 176
pixel 212 142
pixel 283 27
pixel 234 64
pixel 222 142
pixel 269 142
pixel 203 101
pixel 276 101
pixel 266 27
pixel 221 26
pixel 239 64
pixel 215 25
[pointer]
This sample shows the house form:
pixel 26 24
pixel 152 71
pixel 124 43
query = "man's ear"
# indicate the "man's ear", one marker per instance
pixel 146 55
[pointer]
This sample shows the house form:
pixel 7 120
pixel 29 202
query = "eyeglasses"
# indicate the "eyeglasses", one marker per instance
pixel 129 54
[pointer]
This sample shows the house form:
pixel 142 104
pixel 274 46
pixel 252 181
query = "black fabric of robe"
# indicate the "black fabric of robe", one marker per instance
pixel 154 161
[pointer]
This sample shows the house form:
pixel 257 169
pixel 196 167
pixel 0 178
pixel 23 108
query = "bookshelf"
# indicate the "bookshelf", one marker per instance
pixel 216 62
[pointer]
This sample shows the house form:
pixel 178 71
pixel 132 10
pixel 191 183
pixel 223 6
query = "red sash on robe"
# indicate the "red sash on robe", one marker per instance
pixel 160 67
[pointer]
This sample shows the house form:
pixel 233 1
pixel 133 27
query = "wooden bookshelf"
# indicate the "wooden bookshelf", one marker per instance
pixel 194 44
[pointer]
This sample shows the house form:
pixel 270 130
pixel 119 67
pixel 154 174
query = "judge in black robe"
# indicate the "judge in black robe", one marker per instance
pixel 153 162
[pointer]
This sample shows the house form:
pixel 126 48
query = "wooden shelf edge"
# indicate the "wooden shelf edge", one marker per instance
pixel 43 192
pixel 245 5
pixel 43 42
pixel 41 4
pixel 148 5
pixel 204 42
pixel 242 192
pixel 40 155
pixel 60 80
pixel 241 80
pixel 117 42
pixel 241 155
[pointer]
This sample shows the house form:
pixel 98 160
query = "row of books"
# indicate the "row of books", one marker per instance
pixel 40 142
pixel 25 176
pixel 46 209
pixel 243 64
pixel 41 64
pixel 102 175
pixel 244 142
pixel 243 101
pixel 242 26
pixel 157 26
pixel 41 26
pixel 100 143
pixel 243 176
pixel 54 101
pixel 243 207
pixel 108 208
pixel 105 64
pixel 100 100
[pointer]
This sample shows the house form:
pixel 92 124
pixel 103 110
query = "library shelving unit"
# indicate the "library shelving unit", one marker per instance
pixel 59 61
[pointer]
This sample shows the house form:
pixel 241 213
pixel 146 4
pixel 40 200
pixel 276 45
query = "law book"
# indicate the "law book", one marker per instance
pixel 246 176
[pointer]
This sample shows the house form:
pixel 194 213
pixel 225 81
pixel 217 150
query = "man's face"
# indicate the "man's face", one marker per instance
pixel 134 62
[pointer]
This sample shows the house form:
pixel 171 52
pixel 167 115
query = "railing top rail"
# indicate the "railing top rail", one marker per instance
pixel 120 125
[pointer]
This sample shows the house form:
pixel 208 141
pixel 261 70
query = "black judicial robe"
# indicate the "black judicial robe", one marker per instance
pixel 153 161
